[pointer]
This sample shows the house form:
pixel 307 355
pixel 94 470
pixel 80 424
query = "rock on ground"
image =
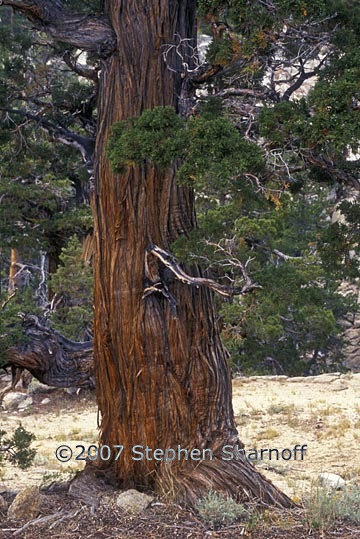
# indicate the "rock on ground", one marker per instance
pixel 339 385
pixel 332 481
pixel 36 387
pixel 26 505
pixel 133 501
pixel 25 404
pixel 11 401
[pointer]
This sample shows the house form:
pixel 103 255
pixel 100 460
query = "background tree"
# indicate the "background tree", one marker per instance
pixel 269 56
pixel 162 373
pixel 72 284
pixel 44 187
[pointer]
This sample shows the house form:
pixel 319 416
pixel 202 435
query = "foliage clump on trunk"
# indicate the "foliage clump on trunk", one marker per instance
pixel 212 151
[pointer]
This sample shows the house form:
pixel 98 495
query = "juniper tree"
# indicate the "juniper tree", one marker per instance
pixel 162 374
pixel 43 187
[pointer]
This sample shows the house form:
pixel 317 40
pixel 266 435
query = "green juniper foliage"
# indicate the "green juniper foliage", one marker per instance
pixel 73 283
pixel 44 189
pixel 294 315
pixel 269 160
pixel 42 184
pixel 157 135
pixel 16 448
pixel 214 153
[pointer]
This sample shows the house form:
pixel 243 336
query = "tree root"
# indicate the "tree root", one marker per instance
pixel 237 479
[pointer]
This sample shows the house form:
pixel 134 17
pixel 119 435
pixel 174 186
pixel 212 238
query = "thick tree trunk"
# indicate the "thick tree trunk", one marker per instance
pixel 162 374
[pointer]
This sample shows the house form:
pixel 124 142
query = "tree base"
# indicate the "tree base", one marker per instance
pixel 237 479
pixel 186 482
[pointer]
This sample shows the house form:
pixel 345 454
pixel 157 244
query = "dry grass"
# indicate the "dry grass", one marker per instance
pixel 268 434
pixel 269 414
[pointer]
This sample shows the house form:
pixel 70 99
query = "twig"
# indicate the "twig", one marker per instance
pixel 284 256
pixel 41 291
pixel 6 301
pixel 66 516
pixel 184 51
pixel 233 261
pixel 36 521
pixel 47 518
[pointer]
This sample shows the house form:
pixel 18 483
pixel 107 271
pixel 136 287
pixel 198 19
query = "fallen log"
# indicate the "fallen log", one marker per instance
pixel 51 358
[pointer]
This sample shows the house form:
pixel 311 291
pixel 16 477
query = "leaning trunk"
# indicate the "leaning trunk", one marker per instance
pixel 162 374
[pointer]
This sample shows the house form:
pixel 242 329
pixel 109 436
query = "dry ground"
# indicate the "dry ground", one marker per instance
pixel 273 412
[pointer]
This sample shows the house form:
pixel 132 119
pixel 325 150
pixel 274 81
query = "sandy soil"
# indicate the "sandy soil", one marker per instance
pixel 322 413
pixel 272 413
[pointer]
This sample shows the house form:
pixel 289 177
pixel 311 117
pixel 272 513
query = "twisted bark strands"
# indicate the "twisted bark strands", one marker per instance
pixel 236 478
pixel 163 381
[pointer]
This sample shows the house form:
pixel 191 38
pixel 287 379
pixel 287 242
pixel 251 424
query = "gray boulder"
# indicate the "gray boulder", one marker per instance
pixel 11 401
pixel 25 404
pixel 36 387
pixel 133 501
pixel 339 385
pixel 332 481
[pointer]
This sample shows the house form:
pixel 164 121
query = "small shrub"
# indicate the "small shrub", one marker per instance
pixel 276 409
pixel 348 505
pixel 324 507
pixel 268 434
pixel 278 469
pixel 217 510
pixel 320 508
pixel 338 430
pixel 16 449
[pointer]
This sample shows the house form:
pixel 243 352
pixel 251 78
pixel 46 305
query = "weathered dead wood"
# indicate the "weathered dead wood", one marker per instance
pixel 227 291
pixel 58 517
pixel 51 358
pixel 88 32
pixel 16 375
